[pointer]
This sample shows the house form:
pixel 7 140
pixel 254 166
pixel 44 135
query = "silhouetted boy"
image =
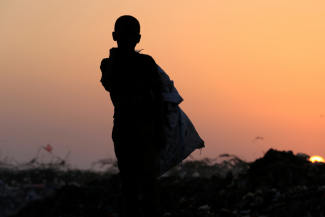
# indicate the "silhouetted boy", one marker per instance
pixel 134 85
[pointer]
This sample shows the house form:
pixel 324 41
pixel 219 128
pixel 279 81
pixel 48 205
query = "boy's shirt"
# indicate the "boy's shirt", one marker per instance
pixel 134 86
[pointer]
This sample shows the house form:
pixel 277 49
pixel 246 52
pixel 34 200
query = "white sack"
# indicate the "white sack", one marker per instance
pixel 176 143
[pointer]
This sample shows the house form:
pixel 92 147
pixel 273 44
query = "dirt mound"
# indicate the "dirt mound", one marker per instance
pixel 279 184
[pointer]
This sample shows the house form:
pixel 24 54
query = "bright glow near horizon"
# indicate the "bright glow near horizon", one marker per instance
pixel 316 158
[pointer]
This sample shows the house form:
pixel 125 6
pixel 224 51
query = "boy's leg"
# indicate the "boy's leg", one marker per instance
pixel 151 206
pixel 127 155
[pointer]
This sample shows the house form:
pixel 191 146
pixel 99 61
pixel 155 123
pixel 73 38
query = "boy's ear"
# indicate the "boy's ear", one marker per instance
pixel 114 36
pixel 139 37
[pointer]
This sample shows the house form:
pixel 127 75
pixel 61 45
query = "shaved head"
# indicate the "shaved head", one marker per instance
pixel 127 20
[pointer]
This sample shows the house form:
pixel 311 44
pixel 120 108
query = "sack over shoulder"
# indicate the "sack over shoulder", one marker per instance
pixel 182 137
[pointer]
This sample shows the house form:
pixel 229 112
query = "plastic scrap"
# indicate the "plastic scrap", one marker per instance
pixel 279 184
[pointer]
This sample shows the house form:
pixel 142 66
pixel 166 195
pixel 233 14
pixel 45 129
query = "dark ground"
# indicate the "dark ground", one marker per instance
pixel 279 184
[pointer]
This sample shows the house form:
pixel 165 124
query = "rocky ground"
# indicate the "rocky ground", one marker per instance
pixel 279 184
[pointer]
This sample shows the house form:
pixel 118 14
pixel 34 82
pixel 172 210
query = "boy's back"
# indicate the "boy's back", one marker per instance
pixel 133 82
pixel 132 79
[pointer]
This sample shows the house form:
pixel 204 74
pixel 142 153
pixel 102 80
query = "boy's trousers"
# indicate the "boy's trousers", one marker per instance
pixel 136 152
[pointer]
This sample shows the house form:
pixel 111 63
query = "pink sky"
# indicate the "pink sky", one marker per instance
pixel 244 68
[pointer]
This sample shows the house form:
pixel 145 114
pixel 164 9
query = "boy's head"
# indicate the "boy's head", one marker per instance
pixel 127 32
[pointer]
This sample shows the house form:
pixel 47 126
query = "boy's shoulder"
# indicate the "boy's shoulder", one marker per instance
pixel 147 59
pixel 143 59
pixel 144 55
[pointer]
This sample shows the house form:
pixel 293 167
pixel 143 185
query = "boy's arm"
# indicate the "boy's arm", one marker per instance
pixel 105 80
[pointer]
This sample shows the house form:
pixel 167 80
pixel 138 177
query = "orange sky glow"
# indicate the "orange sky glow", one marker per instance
pixel 245 69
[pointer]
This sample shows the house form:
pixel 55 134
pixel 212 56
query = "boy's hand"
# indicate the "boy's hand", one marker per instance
pixel 105 82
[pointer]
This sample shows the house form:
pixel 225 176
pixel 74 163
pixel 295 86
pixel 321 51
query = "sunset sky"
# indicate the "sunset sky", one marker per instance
pixel 244 68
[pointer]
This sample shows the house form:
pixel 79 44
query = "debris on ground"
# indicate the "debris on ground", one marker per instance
pixel 278 184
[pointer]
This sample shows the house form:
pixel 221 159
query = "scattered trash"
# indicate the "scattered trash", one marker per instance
pixel 48 148
pixel 279 184
pixel 196 174
pixel 204 207
pixel 245 211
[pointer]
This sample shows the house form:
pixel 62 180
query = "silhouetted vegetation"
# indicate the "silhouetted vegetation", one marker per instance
pixel 279 184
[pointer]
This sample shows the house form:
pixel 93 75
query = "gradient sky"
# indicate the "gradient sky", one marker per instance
pixel 244 68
